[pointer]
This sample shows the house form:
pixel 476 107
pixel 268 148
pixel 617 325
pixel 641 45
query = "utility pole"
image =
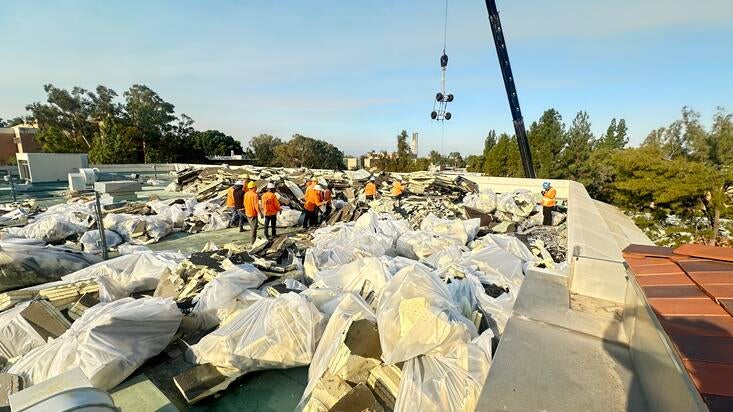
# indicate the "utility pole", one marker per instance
pixel 511 90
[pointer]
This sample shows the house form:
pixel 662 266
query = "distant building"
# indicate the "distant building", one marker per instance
pixel 413 147
pixel 352 163
pixel 17 139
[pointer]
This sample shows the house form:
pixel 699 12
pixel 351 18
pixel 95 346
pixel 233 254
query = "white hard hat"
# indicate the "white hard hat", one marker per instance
pixel 239 183
pixel 270 185
pixel 371 179
pixel 318 187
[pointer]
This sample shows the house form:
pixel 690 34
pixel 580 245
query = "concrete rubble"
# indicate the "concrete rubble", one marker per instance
pixel 392 305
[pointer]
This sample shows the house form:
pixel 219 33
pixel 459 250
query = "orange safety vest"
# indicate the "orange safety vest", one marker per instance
pixel 251 203
pixel 548 199
pixel 312 200
pixel 397 188
pixel 230 197
pixel 370 189
pixel 270 204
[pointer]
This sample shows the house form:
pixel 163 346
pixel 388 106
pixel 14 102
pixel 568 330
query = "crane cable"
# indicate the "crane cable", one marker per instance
pixel 445 27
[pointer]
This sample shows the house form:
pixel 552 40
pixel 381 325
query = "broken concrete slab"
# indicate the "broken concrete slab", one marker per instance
pixel 201 381
pixel 359 353
pixel 9 384
pixel 45 319
pixel 359 398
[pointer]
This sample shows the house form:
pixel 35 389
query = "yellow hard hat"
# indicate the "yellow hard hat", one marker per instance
pixel 250 185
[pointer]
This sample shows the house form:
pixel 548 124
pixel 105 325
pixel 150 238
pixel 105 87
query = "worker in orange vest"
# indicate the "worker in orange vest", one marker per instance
pixel 397 190
pixel 370 190
pixel 548 203
pixel 252 208
pixel 313 201
pixel 231 204
pixel 271 207
pixel 310 185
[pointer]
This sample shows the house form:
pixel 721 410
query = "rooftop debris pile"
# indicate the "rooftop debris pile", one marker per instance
pixel 391 302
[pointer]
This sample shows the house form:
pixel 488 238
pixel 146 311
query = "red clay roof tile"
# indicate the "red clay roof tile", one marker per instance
pixel 698 325
pixel 711 378
pixel 705 251
pixel 705 348
pixel 718 292
pixel 664 280
pixel 678 291
pixel 686 307
pixel 646 250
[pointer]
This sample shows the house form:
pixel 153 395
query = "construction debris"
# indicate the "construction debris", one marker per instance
pixel 393 304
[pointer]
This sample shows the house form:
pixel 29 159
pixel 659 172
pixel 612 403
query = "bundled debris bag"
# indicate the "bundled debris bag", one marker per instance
pixel 175 213
pixel 136 229
pixel 350 309
pixel 419 245
pixel 518 204
pixel 382 224
pixel 340 244
pixel 24 265
pixel 273 333
pixel 108 342
pixel 448 382
pixel 397 263
pixel 53 228
pixel 124 275
pixel 91 241
pixel 363 274
pixel 17 336
pixel 497 265
pixel 483 201
pixel 218 299
pixel 449 228
pixel 416 315
pixel 510 244
pixel 286 218
pixel 322 258
pixel 445 257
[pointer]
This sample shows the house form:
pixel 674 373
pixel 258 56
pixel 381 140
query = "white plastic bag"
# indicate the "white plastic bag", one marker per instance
pixel 444 257
pixel 509 243
pixel 448 228
pixel 350 308
pixel 273 333
pixel 90 240
pixel 127 274
pixel 449 382
pixel 51 228
pixel 484 201
pixel 17 336
pixel 419 245
pixel 351 276
pixel 24 264
pixel 108 342
pixel 217 300
pixel 137 229
pixel 519 203
pixel 416 315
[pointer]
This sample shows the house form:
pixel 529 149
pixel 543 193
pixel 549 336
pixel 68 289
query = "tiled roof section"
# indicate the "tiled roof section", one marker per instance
pixel 691 291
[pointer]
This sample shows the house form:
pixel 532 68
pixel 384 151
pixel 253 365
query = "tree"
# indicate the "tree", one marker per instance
pixel 435 158
pixel 655 139
pixel 263 149
pixel 694 136
pixel 307 152
pixel 112 145
pixel 474 163
pixel 615 136
pixel 151 117
pixel 404 158
pixel 215 143
pixel 503 159
pixel 456 160
pixel 65 120
pixel 721 136
pixel 547 139
pixel 573 163
pixel 12 122
pixel 649 181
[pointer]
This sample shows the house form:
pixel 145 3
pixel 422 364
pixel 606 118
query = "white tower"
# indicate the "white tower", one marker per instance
pixel 414 144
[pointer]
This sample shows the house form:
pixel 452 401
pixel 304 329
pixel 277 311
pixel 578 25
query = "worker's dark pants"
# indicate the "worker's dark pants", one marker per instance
pixel 253 225
pixel 547 215
pixel 311 219
pixel 327 213
pixel 398 198
pixel 235 217
pixel 241 218
pixel 369 198
pixel 271 222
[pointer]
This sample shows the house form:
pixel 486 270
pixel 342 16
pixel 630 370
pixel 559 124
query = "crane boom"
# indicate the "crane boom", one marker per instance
pixel 511 90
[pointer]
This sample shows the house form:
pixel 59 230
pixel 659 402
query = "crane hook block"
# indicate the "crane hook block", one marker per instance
pixel 444 60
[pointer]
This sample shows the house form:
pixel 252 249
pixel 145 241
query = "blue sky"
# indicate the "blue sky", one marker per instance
pixel 357 72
